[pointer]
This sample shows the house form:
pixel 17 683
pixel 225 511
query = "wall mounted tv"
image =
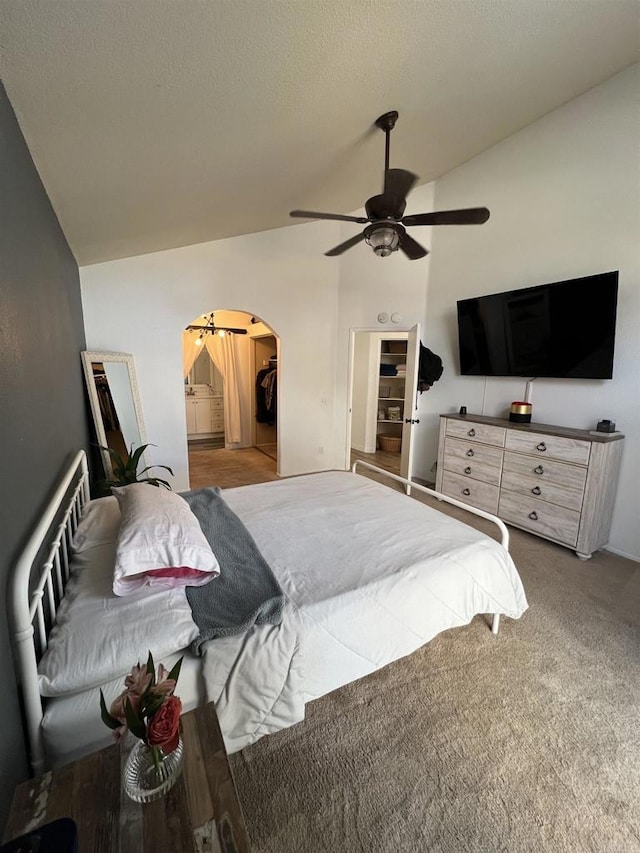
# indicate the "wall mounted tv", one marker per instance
pixel 565 329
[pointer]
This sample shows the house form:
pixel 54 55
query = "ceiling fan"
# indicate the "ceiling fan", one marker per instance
pixel 385 231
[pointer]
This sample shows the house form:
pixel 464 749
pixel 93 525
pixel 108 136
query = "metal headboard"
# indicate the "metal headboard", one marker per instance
pixel 34 608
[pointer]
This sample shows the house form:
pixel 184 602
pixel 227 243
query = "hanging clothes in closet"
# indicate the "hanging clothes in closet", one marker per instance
pixel 105 401
pixel 267 394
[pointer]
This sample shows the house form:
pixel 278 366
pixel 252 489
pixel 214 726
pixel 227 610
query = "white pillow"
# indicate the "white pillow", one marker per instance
pixel 161 543
pixel 99 525
pixel 99 636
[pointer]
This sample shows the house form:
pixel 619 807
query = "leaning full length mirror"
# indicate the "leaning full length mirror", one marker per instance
pixel 115 402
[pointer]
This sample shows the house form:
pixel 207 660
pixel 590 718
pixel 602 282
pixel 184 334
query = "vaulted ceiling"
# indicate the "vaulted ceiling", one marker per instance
pixel 161 124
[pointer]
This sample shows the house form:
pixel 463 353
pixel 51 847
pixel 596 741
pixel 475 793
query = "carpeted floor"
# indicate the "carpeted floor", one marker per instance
pixel 525 742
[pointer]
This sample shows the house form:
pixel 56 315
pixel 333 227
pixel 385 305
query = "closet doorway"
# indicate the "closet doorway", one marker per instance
pixel 383 398
pixel 230 370
pixel 265 420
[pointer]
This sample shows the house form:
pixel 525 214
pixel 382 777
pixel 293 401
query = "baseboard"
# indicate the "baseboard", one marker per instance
pixel 620 553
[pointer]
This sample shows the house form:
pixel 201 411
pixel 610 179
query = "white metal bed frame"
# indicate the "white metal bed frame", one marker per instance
pixel 34 608
pixel 409 485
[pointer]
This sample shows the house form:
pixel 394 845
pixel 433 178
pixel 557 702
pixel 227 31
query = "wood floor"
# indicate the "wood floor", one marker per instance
pixel 229 468
pixel 382 458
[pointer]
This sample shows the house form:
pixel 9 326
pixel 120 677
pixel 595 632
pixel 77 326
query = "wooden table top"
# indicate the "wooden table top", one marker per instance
pixel 200 813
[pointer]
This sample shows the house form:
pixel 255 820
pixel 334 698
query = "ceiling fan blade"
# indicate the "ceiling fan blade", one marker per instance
pixel 466 216
pixel 338 250
pixel 399 182
pixel 412 249
pixel 310 214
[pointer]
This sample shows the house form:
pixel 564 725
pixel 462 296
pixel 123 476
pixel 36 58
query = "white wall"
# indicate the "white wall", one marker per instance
pixel 141 305
pixel 564 195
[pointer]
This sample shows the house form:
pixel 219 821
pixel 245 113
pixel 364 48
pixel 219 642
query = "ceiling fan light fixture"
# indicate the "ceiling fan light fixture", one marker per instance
pixel 383 239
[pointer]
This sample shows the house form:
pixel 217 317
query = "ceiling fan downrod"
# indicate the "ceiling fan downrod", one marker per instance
pixel 386 123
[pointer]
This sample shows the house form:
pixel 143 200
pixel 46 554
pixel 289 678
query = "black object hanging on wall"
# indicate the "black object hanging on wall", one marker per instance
pixel 429 368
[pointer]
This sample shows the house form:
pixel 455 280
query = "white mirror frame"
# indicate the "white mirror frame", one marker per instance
pixel 88 358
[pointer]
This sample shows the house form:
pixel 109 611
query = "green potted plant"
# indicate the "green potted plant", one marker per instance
pixel 125 469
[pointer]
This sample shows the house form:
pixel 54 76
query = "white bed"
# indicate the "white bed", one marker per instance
pixel 369 575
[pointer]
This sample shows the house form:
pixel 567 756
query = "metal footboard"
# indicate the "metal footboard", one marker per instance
pixel 409 485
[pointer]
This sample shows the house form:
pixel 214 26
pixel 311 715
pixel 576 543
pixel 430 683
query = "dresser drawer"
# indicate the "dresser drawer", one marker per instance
pixel 545 471
pixel 483 433
pixel 545 519
pixel 482 495
pixel 544 490
pixel 217 423
pixel 217 404
pixel 549 446
pixel 471 451
pixel 461 464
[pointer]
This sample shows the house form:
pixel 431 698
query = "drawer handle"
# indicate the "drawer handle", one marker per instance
pixel 467 470
pixel 470 452
pixel 466 491
pixel 471 432
pixel 538 470
pixel 541 447
pixel 533 515
pixel 537 490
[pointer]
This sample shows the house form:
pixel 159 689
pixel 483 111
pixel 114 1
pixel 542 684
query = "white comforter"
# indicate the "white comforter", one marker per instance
pixel 370 575
pixel 373 574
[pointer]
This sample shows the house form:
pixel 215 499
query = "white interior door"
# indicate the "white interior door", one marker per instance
pixel 410 401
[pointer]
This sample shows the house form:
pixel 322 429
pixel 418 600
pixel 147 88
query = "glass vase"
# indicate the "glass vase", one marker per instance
pixel 148 773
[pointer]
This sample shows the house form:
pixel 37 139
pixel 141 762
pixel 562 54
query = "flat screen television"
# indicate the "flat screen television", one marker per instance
pixel 565 329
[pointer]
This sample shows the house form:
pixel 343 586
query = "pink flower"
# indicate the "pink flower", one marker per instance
pixel 138 680
pixel 117 706
pixel 117 711
pixel 165 686
pixel 163 728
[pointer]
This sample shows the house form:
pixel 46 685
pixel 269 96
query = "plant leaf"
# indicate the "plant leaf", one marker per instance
pixel 151 667
pixel 155 481
pixel 135 456
pixel 136 726
pixel 149 467
pixel 107 719
pixel 175 670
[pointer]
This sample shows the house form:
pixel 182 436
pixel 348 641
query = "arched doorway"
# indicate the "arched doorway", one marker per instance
pixel 230 369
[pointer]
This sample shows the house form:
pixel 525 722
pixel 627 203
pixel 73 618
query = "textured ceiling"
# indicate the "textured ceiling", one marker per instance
pixel 160 124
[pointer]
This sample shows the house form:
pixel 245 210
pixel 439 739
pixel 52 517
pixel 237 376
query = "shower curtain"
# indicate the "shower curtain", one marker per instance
pixel 223 354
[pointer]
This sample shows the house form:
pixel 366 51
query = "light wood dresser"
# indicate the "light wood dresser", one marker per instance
pixel 553 481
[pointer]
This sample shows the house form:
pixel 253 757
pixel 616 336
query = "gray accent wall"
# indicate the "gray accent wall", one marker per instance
pixel 43 419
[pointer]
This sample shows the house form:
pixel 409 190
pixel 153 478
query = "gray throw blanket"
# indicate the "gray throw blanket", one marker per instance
pixel 246 592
